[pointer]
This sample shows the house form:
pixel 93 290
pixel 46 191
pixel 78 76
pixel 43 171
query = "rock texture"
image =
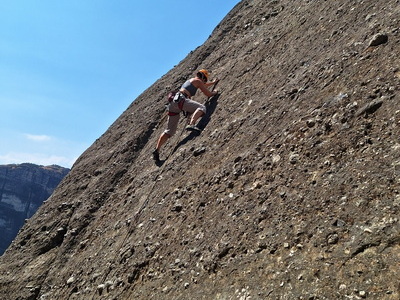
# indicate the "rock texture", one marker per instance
pixel 23 188
pixel 290 192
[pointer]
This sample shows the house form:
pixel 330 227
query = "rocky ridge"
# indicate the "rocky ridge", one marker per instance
pixel 290 192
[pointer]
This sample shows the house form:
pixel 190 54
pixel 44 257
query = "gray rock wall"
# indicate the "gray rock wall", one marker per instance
pixel 23 188
pixel 291 191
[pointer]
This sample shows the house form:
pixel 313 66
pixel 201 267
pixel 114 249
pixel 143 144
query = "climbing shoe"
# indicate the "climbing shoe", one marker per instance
pixel 193 128
pixel 156 155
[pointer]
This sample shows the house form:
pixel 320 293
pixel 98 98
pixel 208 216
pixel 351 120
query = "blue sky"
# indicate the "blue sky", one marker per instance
pixel 69 68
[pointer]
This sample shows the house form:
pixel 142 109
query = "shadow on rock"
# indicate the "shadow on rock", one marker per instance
pixel 211 105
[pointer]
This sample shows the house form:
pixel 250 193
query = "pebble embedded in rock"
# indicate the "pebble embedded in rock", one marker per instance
pixel 378 39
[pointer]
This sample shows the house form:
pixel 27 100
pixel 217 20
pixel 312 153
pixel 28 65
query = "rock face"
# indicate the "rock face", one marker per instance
pixel 290 192
pixel 23 188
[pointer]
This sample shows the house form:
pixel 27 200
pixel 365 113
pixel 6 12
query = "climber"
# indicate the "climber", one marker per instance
pixel 182 102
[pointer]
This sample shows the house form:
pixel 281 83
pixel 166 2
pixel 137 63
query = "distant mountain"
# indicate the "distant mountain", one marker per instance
pixel 23 188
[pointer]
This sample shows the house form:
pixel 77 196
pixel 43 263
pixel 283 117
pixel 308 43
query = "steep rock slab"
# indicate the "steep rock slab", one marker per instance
pixel 295 193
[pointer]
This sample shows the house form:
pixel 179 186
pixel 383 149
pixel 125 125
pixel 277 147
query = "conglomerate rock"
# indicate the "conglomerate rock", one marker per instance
pixel 290 192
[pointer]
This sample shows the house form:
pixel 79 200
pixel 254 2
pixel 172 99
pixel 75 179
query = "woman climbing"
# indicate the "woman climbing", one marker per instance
pixel 182 102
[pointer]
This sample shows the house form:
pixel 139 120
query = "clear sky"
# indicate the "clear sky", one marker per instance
pixel 69 68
